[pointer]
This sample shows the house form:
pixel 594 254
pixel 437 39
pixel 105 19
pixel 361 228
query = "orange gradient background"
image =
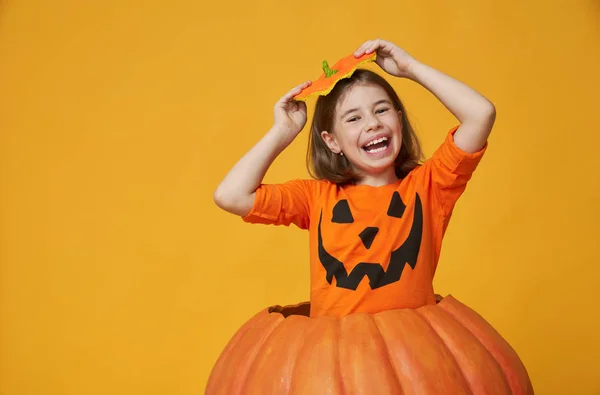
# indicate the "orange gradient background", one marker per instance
pixel 119 275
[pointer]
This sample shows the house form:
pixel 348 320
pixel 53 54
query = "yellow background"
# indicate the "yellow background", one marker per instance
pixel 118 119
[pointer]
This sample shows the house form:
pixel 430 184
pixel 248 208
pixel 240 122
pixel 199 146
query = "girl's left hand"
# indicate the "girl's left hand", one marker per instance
pixel 390 57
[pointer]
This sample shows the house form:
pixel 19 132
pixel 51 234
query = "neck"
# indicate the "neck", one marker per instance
pixel 378 180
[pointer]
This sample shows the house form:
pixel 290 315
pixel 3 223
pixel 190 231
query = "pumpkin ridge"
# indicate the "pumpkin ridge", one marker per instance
pixel 277 352
pixel 388 356
pixel 308 330
pixel 295 359
pixel 220 365
pixel 410 341
pixel 440 320
pixel 492 356
pixel 268 329
pixel 512 377
pixel 308 350
pixel 258 348
pixel 338 332
pixel 422 317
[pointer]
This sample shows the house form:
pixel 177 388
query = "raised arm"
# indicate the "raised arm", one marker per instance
pixel 236 192
pixel 475 113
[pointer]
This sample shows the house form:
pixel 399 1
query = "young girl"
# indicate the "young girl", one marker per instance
pixel 376 213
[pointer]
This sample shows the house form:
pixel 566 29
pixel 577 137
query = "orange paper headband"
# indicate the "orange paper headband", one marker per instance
pixel 342 69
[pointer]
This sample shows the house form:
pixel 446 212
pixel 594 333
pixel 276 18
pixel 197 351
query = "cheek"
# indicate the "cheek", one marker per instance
pixel 349 136
pixel 394 122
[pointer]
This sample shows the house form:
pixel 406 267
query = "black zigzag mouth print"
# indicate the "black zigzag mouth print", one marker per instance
pixel 404 255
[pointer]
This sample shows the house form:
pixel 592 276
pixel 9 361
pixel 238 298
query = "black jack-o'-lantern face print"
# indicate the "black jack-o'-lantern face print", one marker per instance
pixel 405 254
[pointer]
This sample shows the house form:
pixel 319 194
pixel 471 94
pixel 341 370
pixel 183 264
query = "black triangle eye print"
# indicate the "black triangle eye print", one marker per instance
pixel 397 206
pixel 342 213
pixel 405 254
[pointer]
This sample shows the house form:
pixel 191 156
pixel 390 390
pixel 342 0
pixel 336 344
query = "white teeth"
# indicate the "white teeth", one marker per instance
pixel 374 151
pixel 377 141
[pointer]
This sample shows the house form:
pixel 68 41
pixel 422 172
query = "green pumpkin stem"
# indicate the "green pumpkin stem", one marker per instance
pixel 327 70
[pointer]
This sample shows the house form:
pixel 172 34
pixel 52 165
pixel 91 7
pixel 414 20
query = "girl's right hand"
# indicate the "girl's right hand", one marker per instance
pixel 290 114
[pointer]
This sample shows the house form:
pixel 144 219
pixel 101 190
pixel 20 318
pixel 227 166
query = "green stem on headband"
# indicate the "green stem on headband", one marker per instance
pixel 327 70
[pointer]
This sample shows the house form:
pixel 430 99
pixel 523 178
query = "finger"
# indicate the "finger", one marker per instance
pixel 294 91
pixel 361 50
pixel 373 46
pixel 385 45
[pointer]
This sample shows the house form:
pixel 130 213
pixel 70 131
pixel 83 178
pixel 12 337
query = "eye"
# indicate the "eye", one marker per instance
pixel 382 110
pixel 352 119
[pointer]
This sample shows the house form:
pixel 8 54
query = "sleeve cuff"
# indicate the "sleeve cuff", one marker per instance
pixel 457 160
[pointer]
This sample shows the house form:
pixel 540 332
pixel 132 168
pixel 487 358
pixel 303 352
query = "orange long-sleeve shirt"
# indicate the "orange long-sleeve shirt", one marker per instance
pixel 372 248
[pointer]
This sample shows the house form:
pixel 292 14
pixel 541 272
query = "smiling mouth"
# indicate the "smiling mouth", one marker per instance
pixel 376 146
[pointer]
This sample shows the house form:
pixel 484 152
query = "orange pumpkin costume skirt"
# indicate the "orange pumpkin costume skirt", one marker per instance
pixel 440 349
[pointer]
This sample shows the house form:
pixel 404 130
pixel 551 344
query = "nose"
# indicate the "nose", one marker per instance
pixel 368 235
pixel 372 123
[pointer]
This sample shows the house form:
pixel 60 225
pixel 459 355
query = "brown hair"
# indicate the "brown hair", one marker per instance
pixel 324 164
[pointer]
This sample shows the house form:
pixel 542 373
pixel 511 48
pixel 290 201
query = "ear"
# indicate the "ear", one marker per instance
pixel 331 142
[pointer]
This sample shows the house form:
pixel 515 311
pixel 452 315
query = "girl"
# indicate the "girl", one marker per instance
pixel 376 214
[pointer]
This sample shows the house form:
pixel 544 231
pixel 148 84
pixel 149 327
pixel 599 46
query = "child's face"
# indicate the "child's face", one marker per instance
pixel 367 129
